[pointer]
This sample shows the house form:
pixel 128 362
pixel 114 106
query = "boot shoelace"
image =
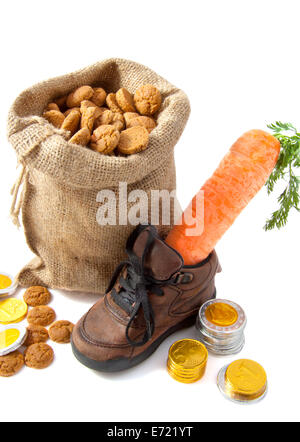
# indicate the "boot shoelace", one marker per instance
pixel 134 288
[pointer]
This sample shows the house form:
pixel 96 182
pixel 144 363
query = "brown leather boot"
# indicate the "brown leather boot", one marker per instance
pixel 151 296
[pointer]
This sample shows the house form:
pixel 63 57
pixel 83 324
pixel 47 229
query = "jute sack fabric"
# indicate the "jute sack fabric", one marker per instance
pixel 61 181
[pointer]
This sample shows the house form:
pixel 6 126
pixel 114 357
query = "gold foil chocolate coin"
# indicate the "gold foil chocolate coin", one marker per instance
pixel 5 281
pixel 243 381
pixel 11 338
pixel 12 310
pixel 221 314
pixel 8 337
pixel 187 360
pixel 8 285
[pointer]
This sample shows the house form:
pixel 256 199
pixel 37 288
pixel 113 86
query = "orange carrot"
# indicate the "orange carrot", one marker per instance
pixel 240 175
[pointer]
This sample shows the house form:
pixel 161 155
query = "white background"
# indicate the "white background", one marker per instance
pixel 238 61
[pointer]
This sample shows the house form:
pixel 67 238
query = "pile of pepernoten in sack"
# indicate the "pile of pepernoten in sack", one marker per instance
pixel 165 284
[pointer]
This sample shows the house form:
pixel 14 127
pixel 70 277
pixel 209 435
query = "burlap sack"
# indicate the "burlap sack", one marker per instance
pixel 61 181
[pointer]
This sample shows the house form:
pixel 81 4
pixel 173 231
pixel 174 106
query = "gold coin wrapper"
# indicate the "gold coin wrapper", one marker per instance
pixel 12 310
pixel 8 285
pixel 12 337
pixel 187 361
pixel 243 381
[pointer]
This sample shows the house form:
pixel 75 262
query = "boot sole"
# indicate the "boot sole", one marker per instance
pixel 121 364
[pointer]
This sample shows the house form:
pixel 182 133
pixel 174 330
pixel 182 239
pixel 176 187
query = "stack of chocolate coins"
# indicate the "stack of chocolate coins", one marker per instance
pixel 243 381
pixel 221 325
pixel 187 361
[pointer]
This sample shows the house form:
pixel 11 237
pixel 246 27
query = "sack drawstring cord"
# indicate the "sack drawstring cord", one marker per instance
pixel 17 204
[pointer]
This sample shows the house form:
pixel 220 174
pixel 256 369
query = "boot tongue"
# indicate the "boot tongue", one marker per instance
pixel 161 262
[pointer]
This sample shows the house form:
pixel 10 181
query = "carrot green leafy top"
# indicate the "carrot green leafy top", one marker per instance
pixel 288 161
